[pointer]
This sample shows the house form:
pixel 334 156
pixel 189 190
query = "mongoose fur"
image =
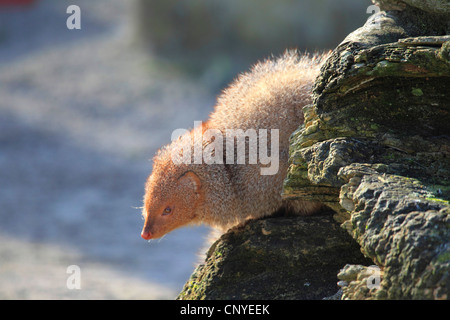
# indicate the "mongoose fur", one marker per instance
pixel 270 96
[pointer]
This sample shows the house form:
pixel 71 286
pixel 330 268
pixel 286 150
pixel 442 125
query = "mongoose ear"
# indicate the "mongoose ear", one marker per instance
pixel 191 178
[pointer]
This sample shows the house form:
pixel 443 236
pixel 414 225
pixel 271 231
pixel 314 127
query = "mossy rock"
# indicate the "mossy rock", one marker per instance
pixel 440 7
pixel 378 131
pixel 275 258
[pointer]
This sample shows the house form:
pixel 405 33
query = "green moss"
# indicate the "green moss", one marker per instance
pixel 443 257
pixel 437 200
pixel 385 68
pixel 417 92
pixel 439 193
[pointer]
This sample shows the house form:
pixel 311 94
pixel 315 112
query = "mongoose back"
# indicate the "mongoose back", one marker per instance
pixel 222 194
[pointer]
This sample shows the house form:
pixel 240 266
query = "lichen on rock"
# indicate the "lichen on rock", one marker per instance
pixel 377 141
pixel 275 258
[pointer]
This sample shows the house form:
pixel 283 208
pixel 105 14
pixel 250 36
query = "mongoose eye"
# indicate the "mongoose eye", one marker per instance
pixel 167 210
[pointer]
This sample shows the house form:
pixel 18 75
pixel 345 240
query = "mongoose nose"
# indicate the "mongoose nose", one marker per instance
pixel 146 234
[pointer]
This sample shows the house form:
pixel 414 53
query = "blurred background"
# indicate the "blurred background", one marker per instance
pixel 82 113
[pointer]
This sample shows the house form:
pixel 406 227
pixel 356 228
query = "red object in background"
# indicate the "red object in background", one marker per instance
pixel 16 2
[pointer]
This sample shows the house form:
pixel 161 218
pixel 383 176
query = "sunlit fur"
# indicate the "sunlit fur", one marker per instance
pixel 270 96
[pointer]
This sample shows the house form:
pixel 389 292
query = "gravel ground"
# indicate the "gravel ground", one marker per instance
pixel 81 114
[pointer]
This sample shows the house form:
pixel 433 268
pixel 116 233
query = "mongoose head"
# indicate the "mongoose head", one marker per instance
pixel 172 200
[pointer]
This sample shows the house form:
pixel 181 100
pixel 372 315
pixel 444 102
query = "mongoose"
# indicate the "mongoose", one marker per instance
pixel 270 96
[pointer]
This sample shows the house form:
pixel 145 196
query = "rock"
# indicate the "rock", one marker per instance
pixel 275 258
pixel 406 231
pixel 359 282
pixel 375 147
pixel 433 6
